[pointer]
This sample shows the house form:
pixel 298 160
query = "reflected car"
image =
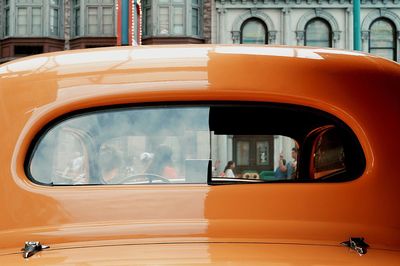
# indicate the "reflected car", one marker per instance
pixel 200 155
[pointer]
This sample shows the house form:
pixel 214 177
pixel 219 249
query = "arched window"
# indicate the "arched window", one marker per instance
pixel 254 31
pixel 382 40
pixel 318 32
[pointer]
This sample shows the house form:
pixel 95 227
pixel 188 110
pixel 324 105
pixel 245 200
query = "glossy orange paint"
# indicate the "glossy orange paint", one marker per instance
pixel 360 89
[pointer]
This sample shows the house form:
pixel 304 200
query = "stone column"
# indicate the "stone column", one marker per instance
pixel 348 42
pixel 398 46
pixel 67 23
pixel 220 25
pixel 286 26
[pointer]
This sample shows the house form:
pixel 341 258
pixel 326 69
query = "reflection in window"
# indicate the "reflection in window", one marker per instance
pixel 318 33
pixel 382 39
pixel 126 147
pixel 254 31
pixel 328 154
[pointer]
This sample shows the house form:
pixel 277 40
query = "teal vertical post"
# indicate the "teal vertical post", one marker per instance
pixel 357 25
pixel 125 22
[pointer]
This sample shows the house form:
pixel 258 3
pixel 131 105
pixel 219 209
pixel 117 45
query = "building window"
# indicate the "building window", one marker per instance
pixel 29 18
pixel 7 19
pixel 76 13
pixel 170 17
pixel 22 21
pixel 54 17
pixel 254 31
pixel 196 17
pixel 100 18
pixel 318 33
pixel 383 39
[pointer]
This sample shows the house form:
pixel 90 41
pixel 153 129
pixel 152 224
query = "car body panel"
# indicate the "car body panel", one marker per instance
pixel 361 90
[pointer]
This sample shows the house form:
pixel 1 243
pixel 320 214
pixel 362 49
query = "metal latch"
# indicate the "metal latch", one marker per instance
pixel 31 247
pixel 358 244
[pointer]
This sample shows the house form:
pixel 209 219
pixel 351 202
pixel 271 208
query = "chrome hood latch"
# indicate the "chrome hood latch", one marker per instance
pixel 31 247
pixel 357 244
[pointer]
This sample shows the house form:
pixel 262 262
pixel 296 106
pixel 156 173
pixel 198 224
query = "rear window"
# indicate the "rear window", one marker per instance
pixel 205 144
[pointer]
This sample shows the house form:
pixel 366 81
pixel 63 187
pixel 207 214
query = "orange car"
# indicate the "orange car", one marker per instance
pixel 200 155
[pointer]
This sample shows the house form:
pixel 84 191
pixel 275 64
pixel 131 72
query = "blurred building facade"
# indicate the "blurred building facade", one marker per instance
pixel 326 23
pixel 36 26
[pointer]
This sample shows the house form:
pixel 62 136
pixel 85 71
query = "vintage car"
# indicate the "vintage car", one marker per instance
pixel 200 155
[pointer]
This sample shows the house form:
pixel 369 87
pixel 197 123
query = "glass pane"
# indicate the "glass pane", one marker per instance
pixel 262 150
pixel 137 146
pixel 178 20
pixel 243 152
pixel 163 17
pixel 318 34
pixel 108 24
pixel 178 1
pixel 76 2
pixel 149 28
pixel 54 2
pixel 36 21
pixel 77 21
pixel 253 32
pixel 195 21
pixel 163 1
pixel 22 21
pixel 195 2
pixel 382 34
pixel 92 20
pixel 7 30
pixel 387 53
pixel 54 21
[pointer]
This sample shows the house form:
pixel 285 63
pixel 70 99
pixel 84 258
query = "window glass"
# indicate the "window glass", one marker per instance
pixel 107 20
pixel 54 21
pixel 36 21
pixel 7 27
pixel 382 39
pixel 254 31
pixel 178 20
pixel 164 20
pixel 148 29
pixel 92 20
pixel 195 21
pixel 178 144
pixel 77 21
pixel 22 21
pixel 318 33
